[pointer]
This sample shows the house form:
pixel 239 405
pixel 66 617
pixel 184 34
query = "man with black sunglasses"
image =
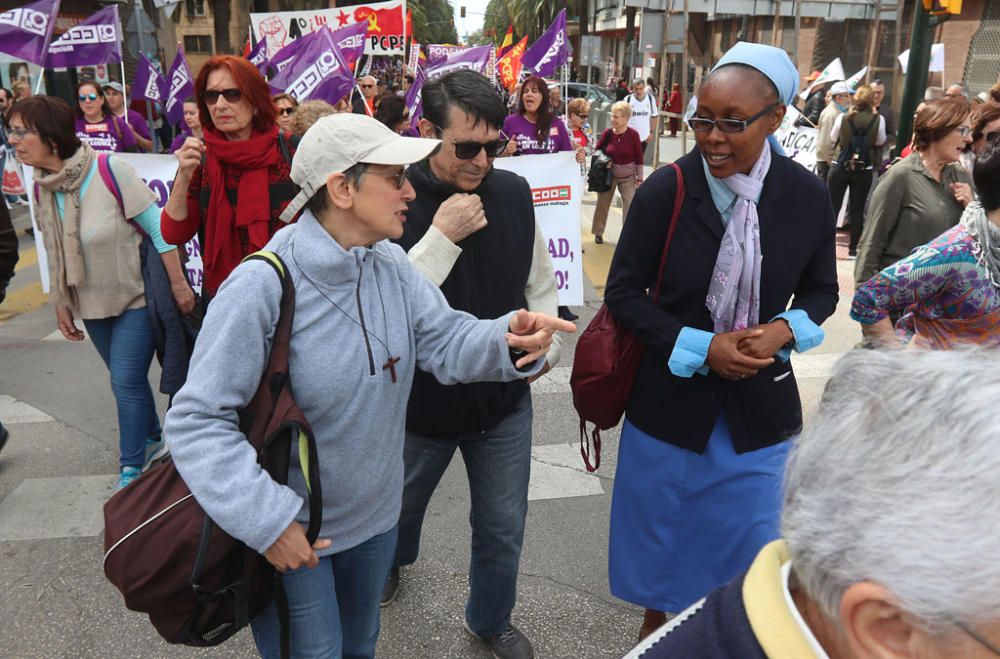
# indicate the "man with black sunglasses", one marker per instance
pixel 472 231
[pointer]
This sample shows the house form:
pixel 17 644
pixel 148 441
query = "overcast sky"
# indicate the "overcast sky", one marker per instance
pixel 475 12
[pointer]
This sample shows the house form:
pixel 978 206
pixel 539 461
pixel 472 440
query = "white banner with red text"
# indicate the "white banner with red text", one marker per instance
pixel 386 25
pixel 557 192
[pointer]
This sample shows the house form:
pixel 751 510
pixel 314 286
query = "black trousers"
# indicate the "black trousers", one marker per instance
pixel 859 183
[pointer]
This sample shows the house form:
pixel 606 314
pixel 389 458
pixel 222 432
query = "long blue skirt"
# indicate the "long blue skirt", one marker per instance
pixel 682 523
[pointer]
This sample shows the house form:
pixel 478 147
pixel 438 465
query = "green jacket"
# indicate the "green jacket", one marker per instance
pixel 908 208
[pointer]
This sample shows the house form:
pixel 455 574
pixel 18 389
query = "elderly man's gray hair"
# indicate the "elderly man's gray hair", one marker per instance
pixel 897 481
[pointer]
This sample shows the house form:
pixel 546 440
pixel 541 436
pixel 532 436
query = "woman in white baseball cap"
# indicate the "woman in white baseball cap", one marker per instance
pixel 364 319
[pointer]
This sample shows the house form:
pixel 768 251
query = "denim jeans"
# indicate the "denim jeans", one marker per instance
pixel 125 343
pixel 498 463
pixel 334 607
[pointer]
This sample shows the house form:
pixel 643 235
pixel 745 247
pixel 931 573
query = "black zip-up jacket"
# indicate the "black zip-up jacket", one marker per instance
pixel 488 280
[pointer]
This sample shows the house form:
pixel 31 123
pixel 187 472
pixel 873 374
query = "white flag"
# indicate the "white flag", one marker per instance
pixel 834 71
pixel 856 79
pixel 937 59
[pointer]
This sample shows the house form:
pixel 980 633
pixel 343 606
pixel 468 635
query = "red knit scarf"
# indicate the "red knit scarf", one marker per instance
pixel 251 158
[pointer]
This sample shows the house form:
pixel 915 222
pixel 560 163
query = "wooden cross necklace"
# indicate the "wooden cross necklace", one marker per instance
pixel 390 364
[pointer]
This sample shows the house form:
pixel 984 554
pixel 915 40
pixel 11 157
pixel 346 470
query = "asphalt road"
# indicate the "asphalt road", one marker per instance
pixel 60 463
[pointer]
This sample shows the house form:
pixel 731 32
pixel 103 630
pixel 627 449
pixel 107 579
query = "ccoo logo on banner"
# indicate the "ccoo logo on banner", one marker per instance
pixel 26 19
pixel 304 85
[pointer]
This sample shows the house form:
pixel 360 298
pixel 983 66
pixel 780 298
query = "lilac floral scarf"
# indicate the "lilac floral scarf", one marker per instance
pixel 734 292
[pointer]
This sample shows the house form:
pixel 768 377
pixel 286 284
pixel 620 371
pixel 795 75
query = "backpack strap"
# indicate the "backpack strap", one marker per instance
pixel 277 365
pixel 111 183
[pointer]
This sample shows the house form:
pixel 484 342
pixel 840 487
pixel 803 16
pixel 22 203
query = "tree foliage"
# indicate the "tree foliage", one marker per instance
pixel 529 17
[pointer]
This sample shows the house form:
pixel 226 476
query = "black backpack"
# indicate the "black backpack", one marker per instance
pixel 856 155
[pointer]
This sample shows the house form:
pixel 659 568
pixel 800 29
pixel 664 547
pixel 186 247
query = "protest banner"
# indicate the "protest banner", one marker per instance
pixel 385 34
pixel 557 192
pixel 476 59
pixel 799 142
pixel 157 171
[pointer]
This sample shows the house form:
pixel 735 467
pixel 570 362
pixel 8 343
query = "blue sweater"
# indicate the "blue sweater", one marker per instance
pixel 354 309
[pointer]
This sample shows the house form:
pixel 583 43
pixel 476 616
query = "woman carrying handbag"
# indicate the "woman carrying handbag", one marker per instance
pixel 623 146
pixel 714 399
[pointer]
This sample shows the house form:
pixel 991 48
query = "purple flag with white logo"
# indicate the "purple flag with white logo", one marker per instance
pixel 318 72
pixel 148 82
pixel 258 56
pixel 414 97
pixel 180 86
pixel 351 42
pixel 477 59
pixel 550 51
pixel 25 32
pixel 437 53
pixel 97 40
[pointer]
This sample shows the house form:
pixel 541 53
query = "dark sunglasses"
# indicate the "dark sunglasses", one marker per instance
pixel 469 150
pixel 399 179
pixel 211 96
pixel 287 112
pixel 367 86
pixel 88 97
pixel 993 136
pixel 703 125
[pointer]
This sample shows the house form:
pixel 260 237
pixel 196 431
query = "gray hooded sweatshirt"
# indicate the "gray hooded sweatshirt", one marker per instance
pixel 354 310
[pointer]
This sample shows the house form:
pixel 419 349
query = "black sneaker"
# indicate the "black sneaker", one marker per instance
pixel 599 239
pixel 391 587
pixel 4 435
pixel 512 644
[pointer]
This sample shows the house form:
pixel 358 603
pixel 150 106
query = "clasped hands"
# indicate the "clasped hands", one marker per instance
pixel 740 354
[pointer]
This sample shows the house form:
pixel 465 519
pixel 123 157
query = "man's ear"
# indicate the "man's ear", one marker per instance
pixel 340 191
pixel 873 624
pixel 427 129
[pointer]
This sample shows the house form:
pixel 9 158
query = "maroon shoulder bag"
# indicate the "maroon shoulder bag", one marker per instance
pixel 607 358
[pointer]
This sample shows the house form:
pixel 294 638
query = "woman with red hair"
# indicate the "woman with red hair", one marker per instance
pixel 231 188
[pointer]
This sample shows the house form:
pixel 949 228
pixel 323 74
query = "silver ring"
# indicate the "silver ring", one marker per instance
pixel 743 375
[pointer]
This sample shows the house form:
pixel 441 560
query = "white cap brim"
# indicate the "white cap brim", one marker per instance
pixel 398 151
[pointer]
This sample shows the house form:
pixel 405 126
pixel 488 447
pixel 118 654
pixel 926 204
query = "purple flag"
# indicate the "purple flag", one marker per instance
pixel 258 56
pixel 287 55
pixel 550 51
pixel 437 53
pixel 181 85
pixel 94 41
pixel 148 82
pixel 25 32
pixel 414 97
pixel 476 59
pixel 351 42
pixel 318 72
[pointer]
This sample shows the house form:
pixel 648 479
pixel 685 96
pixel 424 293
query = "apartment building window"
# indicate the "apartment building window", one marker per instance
pixel 198 43
pixel 195 8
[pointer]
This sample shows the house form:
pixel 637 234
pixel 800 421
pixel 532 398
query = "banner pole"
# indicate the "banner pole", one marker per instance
pixel 41 77
pixel 149 109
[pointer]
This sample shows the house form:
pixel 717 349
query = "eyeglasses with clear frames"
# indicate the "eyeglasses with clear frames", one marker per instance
pixel 20 133
pixel 704 125
pixel 964 131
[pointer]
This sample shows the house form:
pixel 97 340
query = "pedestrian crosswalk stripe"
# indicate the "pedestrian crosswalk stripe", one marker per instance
pixel 15 411
pixel 557 472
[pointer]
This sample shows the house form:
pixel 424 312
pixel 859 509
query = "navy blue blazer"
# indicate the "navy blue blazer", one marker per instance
pixel 797 232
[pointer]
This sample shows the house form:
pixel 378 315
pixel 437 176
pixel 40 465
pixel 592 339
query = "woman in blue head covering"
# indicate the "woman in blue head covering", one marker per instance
pixel 703 445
